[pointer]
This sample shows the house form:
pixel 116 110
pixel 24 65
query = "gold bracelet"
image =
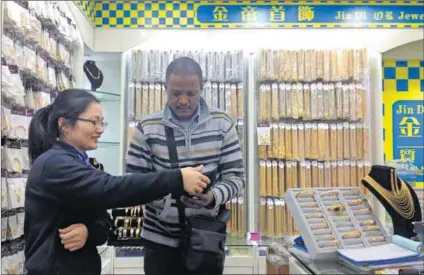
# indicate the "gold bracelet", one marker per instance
pixel 351 192
pixel 120 233
pixel 362 211
pixel 116 222
pixel 319 226
pixel 314 215
pixel 126 222
pixel 308 204
pixel 371 228
pixel 376 239
pixel 367 222
pixel 357 202
pixel 126 212
pixel 337 208
pixel 352 234
pixel 137 233
pixel 329 193
pixel 132 233
pixel 305 193
pixel 342 218
pixel 124 231
pixel 139 223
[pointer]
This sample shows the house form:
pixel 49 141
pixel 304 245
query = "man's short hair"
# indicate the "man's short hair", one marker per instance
pixel 184 66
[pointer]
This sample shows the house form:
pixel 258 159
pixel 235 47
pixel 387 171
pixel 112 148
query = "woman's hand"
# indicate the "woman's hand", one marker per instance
pixel 194 181
pixel 74 236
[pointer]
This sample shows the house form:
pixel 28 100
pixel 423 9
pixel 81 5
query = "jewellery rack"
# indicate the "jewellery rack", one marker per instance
pixel 332 218
pixel 126 226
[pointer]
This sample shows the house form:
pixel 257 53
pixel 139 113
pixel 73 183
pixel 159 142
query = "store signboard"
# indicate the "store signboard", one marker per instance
pixel 403 112
pixel 255 14
pixel 347 15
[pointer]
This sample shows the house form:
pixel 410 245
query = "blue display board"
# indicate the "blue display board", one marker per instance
pixel 408 132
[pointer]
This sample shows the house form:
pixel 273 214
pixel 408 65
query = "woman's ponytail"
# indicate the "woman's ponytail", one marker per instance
pixel 39 137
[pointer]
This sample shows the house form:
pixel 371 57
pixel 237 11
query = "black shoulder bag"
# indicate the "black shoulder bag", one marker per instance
pixel 202 239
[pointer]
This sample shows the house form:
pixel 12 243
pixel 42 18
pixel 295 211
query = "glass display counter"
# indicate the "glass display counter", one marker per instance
pixel 240 259
pixel 299 265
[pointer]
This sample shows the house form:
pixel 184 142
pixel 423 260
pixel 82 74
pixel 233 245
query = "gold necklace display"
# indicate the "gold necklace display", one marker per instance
pixel 399 198
pixel 94 77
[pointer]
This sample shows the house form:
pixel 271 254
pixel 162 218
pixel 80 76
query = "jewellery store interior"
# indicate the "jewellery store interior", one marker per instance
pixel 324 192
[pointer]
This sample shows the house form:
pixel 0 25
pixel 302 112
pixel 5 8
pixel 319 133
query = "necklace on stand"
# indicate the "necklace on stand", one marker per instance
pixel 89 72
pixel 399 198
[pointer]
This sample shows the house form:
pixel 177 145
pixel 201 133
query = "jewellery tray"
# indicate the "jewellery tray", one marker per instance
pixel 312 240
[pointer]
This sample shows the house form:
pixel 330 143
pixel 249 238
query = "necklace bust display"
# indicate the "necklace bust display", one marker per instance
pixel 94 74
pixel 398 198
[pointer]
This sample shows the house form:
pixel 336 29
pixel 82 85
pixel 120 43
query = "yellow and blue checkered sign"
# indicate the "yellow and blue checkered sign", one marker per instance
pixel 403 112
pixel 256 14
pixel 88 8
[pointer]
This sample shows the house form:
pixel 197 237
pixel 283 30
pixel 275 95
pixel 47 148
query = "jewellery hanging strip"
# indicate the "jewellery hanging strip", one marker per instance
pixel 313 104
pixel 36 65
pixel 223 88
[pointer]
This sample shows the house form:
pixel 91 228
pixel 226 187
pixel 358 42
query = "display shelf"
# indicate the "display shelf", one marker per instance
pixel 224 89
pixel 106 97
pixel 312 126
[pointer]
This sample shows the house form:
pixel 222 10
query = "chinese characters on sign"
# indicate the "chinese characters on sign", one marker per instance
pixel 408 131
pixel 305 13
pixel 324 14
pixel 249 14
pixel 277 14
pixel 220 13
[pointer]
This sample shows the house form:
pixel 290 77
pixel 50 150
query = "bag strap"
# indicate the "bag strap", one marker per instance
pixel 173 158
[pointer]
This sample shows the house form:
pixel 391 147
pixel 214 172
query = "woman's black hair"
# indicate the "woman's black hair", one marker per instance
pixel 44 130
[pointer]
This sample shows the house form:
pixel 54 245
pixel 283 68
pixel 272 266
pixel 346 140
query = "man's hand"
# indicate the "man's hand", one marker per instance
pixel 74 236
pixel 198 201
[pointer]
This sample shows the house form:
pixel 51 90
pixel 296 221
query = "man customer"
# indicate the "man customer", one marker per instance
pixel 202 136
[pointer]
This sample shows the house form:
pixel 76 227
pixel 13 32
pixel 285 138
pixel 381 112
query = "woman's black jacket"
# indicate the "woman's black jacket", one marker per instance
pixel 62 190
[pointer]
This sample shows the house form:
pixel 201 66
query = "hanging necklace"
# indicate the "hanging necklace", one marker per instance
pixel 85 66
pixel 399 198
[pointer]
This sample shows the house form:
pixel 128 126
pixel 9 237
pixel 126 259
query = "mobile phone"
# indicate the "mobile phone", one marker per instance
pixel 209 171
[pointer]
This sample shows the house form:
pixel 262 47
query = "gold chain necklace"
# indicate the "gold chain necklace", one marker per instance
pixel 91 73
pixel 400 198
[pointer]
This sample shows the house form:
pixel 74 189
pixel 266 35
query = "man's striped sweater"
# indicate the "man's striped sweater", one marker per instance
pixel 211 140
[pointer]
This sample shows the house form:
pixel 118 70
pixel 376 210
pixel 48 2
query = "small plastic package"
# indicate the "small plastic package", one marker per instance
pixel 301 141
pixel 151 98
pixel 314 102
pixel 233 102
pixel 346 140
pixel 275 112
pixel 282 100
pixel 240 100
pixel 306 102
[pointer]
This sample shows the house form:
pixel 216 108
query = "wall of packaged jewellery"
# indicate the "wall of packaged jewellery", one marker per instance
pixel 313 127
pixel 223 88
pixel 37 42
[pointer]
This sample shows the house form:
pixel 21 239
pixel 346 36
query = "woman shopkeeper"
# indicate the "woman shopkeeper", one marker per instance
pixel 66 198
